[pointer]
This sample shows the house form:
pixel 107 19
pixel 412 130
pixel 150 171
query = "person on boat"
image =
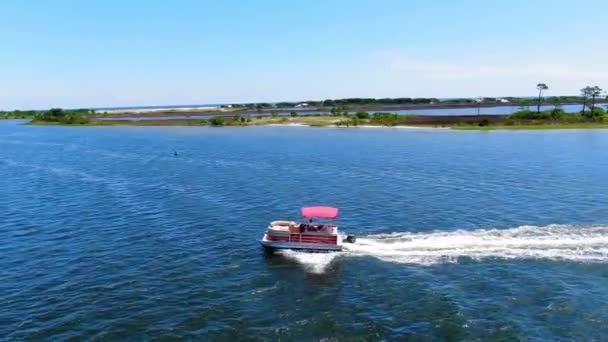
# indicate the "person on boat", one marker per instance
pixel 310 226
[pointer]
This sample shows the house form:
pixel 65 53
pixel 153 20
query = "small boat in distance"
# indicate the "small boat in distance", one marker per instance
pixel 308 236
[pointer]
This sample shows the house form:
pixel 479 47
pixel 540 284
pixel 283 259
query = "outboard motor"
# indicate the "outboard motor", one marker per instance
pixel 351 238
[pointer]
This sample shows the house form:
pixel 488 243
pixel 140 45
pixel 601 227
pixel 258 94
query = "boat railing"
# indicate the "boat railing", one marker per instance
pixel 299 238
pixel 306 238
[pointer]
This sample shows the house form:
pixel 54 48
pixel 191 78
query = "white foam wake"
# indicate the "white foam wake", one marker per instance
pixel 554 242
pixel 312 262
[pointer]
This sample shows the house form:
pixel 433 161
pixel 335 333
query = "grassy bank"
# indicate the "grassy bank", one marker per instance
pixel 313 120
pixel 324 122
pixel 550 119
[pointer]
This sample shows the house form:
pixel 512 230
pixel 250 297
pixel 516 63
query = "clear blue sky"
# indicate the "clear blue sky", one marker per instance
pixel 114 53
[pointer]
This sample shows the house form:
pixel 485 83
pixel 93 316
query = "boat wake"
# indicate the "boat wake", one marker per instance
pixel 554 242
pixel 312 262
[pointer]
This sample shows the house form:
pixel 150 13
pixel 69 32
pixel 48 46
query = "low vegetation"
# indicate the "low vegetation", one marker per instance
pixel 557 114
pixel 549 119
pixel 17 114
pixel 61 116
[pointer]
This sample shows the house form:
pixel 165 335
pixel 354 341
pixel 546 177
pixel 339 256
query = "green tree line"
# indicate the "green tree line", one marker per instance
pixel 58 115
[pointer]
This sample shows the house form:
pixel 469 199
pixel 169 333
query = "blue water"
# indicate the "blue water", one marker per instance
pixel 106 235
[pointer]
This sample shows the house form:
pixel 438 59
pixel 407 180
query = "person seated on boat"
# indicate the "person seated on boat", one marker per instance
pixel 309 227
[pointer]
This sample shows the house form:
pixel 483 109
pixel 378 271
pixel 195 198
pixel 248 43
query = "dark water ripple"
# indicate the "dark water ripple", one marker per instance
pixel 106 235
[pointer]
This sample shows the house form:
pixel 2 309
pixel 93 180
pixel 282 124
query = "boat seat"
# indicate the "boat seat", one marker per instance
pixel 294 229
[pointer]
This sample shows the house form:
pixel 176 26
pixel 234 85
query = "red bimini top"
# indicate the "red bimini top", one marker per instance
pixel 320 212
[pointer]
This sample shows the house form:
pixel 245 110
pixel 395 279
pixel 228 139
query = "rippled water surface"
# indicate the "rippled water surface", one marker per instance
pixel 105 234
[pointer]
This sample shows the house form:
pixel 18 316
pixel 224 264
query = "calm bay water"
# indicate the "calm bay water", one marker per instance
pixel 106 234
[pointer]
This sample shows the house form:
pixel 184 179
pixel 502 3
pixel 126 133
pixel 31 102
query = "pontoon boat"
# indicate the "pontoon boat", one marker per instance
pixel 307 236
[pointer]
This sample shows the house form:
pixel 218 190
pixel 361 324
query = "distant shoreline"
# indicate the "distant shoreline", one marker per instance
pixel 551 118
pixel 456 122
pixel 217 111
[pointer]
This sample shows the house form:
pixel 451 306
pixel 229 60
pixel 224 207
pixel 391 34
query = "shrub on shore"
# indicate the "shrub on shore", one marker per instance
pixel 597 112
pixel 557 114
pixel 390 119
pixel 362 115
pixel 386 119
pixel 529 115
pixel 349 122
pixel 216 121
